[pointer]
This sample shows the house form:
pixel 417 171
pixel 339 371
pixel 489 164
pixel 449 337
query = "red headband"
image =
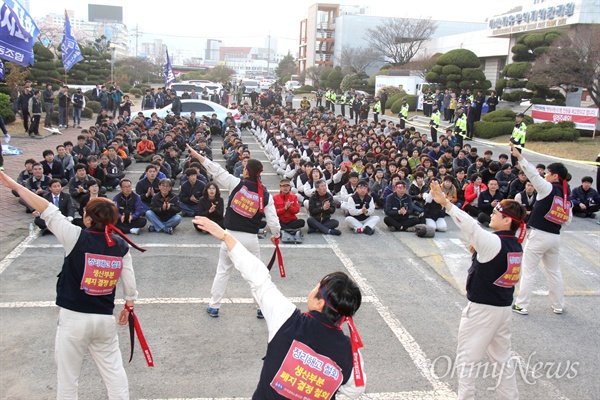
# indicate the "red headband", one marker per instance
pixel 111 228
pixel 355 339
pixel 522 225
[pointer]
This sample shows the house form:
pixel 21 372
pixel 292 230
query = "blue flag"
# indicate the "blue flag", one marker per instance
pixel 1 70
pixel 168 72
pixel 17 33
pixel 71 54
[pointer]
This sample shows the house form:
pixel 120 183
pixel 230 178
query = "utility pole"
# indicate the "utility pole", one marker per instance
pixel 137 35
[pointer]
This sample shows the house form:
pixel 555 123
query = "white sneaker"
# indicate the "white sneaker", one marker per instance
pixel 557 310
pixel 135 231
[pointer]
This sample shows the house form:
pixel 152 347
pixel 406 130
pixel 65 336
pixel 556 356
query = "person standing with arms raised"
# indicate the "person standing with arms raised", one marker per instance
pixel 86 302
pixel 550 212
pixel 485 325
pixel 248 202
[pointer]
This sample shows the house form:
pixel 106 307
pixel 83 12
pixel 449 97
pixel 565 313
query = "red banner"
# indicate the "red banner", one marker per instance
pixel 584 118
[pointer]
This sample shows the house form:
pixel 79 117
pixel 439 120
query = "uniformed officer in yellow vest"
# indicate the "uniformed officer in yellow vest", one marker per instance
pixel 343 104
pixel 518 136
pixel 376 109
pixel 328 99
pixel 333 98
pixel 434 122
pixel 403 114
pixel 460 126
pixel 349 101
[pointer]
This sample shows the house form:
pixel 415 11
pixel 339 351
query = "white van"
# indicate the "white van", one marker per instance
pixel 251 84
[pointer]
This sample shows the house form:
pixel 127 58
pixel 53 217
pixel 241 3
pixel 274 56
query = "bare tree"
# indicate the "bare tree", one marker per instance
pixel 572 61
pixel 51 35
pixel 421 65
pixel 357 58
pixel 400 39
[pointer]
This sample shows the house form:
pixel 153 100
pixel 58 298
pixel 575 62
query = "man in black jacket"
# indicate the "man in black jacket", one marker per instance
pixel 488 200
pixel 59 199
pixel 398 208
pixel 131 212
pixel 164 211
pixel 147 187
pixel 190 193
pixel 53 168
pixel 175 104
pixel 23 106
pixel 321 207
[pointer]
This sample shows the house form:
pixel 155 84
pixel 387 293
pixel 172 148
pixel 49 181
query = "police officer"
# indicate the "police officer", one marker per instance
pixel 343 101
pixel 434 122
pixel 485 325
pixel 403 114
pixel 376 109
pixel 333 99
pixel 518 136
pixel 460 126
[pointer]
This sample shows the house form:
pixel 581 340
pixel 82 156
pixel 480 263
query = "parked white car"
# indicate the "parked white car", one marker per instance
pixel 292 85
pixel 200 107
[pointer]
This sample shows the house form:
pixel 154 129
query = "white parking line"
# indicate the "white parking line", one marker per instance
pixel 17 251
pixel 192 245
pixel 423 364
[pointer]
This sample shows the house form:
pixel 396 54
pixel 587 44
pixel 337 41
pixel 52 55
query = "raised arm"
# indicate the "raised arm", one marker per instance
pixel 220 175
pixel 274 305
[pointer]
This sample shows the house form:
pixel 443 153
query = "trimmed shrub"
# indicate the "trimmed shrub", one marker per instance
pixel 87 113
pixel 6 109
pixel 450 69
pixel 462 58
pixel 488 130
pixel 305 89
pixel 93 105
pixel 411 100
pixel 125 87
pixel 88 95
pixel 392 99
pixel 550 132
pixel 135 91
pixel 391 92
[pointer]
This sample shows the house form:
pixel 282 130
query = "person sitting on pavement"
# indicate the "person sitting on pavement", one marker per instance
pixel 93 191
pixel 37 183
pixel 163 215
pixel 78 183
pixel 377 185
pixel 97 173
pixel 346 191
pixel 321 207
pixel 487 201
pixel 517 185
pixel 131 211
pixel 527 198
pixel 211 205
pixel 417 189
pixel 145 149
pixel 53 168
pixel 585 199
pixel 434 213
pixel 190 193
pixel 334 300
pixel 287 206
pixel 472 193
pixel 147 187
pixel 505 177
pixel 112 174
pixel 361 208
pixel 398 209
pixel 60 200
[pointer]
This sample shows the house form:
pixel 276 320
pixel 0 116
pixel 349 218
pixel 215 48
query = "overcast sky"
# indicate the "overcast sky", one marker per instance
pixel 188 23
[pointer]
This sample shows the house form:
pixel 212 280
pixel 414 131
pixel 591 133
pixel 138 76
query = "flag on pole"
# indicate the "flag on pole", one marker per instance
pixel 17 33
pixel 71 54
pixel 1 70
pixel 168 72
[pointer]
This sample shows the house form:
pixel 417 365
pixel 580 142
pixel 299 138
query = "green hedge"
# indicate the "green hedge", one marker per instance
pixel 392 99
pixel 503 116
pixel 135 91
pixel 6 109
pixel 550 132
pixel 94 105
pixel 305 89
pixel 488 130
pixel 411 100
